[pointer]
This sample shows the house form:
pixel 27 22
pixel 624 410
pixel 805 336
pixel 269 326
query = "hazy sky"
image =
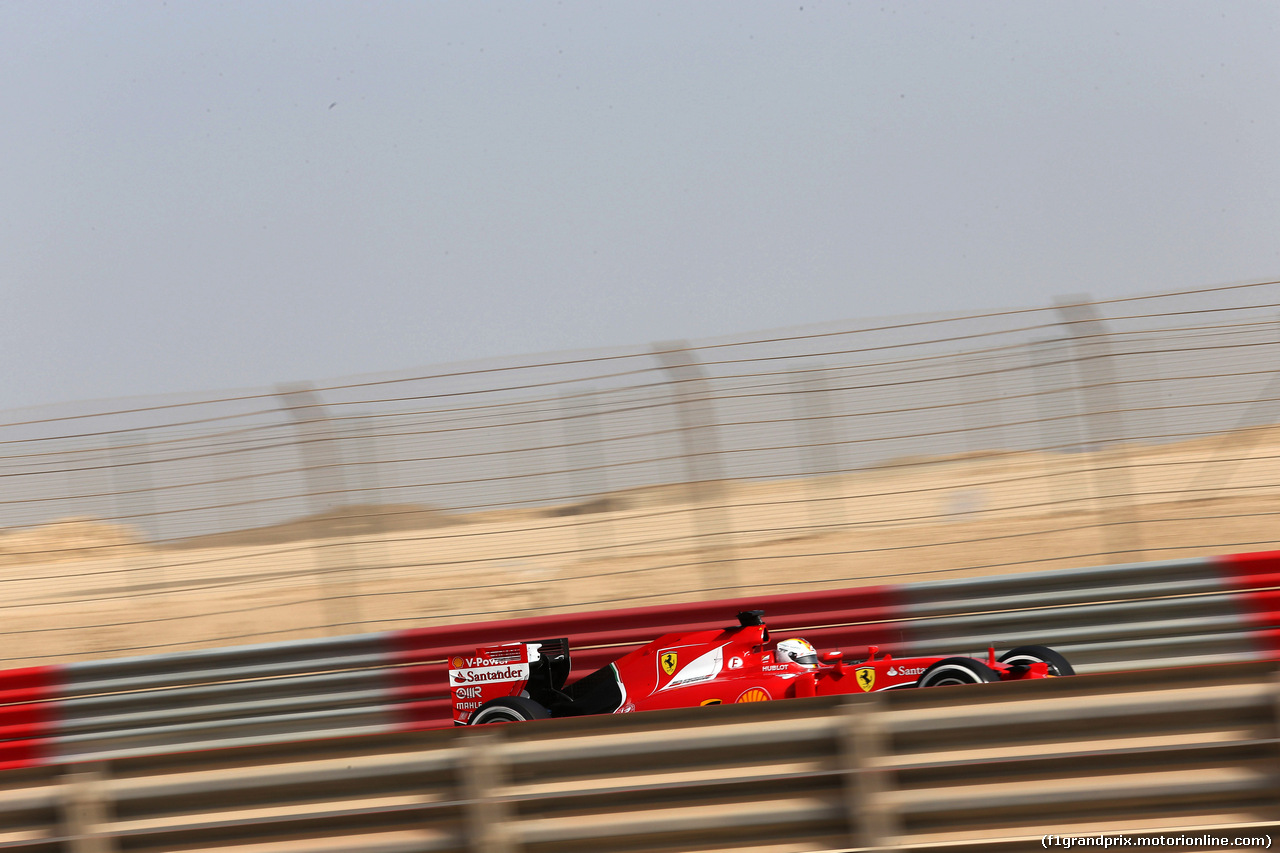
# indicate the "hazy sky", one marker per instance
pixel 211 195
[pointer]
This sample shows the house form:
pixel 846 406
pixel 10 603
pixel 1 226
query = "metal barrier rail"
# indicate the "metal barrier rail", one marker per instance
pixel 967 768
pixel 1171 613
pixel 1104 619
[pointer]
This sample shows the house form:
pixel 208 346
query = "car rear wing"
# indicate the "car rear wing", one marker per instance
pixel 505 669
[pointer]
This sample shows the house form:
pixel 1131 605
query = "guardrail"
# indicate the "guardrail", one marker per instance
pixel 1174 751
pixel 1104 619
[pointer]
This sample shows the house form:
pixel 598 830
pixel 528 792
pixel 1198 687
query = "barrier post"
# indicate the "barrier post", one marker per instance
pixel 1275 705
pixel 481 777
pixel 863 743
pixel 86 810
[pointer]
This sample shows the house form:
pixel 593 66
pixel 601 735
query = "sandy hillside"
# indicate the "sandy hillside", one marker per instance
pixel 79 588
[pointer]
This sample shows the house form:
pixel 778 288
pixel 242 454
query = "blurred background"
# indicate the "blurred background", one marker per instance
pixel 627 237
pixel 1076 433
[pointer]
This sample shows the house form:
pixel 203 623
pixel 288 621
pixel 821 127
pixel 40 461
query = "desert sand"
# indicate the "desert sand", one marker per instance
pixel 79 588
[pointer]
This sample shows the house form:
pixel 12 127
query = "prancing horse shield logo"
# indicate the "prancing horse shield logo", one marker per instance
pixel 668 662
pixel 866 677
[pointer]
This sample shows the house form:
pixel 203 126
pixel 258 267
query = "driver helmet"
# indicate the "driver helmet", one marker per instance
pixel 797 650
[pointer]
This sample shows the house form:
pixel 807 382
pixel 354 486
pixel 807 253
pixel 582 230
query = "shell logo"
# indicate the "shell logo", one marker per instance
pixel 755 694
pixel 457 663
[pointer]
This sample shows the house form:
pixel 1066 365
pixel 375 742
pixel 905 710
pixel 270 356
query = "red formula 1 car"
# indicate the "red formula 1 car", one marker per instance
pixel 508 682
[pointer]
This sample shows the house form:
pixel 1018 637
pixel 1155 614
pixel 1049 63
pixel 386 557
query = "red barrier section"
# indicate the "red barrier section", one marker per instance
pixel 409 667
pixel 1256 580
pixel 26 714
pixel 850 619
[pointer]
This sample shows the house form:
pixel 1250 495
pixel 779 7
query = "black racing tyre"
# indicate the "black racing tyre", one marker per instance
pixel 508 709
pixel 1024 655
pixel 957 671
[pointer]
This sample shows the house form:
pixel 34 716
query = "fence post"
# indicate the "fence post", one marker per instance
pixel 1049 363
pixel 587 474
pixel 713 523
pixel 488 816
pixel 1118 514
pixel 86 810
pixel 811 393
pixel 1235 444
pixel 130 476
pixel 863 745
pixel 968 383
pixel 325 487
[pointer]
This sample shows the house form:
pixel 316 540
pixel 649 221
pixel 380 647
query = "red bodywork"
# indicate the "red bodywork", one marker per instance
pixel 681 670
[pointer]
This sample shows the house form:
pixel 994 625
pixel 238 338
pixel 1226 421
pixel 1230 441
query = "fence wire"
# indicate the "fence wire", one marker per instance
pixel 1074 434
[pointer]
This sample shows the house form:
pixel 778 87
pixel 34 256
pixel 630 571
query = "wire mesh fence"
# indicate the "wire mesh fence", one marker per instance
pixel 1072 434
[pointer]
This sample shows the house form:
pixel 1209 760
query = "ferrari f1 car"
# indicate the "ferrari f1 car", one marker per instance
pixel 509 682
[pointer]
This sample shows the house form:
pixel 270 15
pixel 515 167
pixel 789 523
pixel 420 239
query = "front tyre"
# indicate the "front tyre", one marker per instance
pixel 508 709
pixel 957 671
pixel 1026 655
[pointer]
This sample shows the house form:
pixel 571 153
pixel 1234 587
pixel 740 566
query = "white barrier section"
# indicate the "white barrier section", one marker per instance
pixel 225 697
pixel 1136 615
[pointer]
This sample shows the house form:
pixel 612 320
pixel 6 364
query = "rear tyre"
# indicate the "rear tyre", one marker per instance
pixel 508 709
pixel 1027 655
pixel 957 671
